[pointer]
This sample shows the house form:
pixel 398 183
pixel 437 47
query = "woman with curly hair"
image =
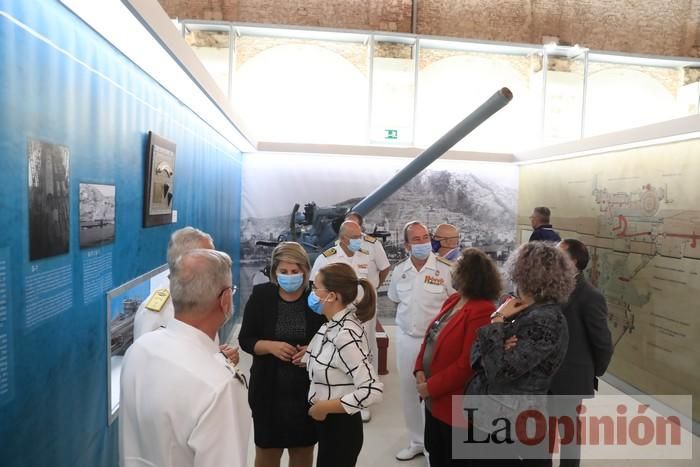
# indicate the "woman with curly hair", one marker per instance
pixel 442 367
pixel 522 348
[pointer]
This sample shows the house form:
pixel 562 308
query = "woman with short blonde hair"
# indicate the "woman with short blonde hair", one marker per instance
pixel 277 326
pixel 290 252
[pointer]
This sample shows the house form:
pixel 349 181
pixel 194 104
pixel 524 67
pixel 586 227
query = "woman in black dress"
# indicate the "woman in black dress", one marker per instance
pixel 277 326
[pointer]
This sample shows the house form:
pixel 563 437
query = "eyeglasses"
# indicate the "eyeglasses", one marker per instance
pixel 437 237
pixel 313 287
pixel 233 288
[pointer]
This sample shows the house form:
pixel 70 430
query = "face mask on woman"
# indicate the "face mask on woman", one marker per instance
pixel 290 282
pixel 315 303
pixel 421 250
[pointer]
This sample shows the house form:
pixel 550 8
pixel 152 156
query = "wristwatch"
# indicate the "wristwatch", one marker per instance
pixel 497 314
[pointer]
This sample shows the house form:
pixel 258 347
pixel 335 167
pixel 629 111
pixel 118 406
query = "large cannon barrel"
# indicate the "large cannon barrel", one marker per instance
pixel 437 149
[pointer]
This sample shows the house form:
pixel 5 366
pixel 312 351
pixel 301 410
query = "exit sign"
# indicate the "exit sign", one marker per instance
pixel 391 134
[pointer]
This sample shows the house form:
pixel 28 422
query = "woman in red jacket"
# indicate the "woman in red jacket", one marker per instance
pixel 442 367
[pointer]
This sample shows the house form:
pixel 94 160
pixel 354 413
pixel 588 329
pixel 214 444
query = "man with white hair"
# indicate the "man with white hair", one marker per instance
pixel 181 404
pixel 157 309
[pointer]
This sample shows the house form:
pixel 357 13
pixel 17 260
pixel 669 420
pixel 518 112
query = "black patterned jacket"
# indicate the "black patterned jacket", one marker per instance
pixel 528 367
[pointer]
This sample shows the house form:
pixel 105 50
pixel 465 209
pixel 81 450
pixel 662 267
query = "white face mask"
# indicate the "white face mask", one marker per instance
pixel 421 250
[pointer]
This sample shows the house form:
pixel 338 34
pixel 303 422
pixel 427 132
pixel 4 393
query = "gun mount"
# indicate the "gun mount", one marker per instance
pixel 316 228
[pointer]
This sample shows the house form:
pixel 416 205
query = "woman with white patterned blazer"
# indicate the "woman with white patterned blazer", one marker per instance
pixel 343 380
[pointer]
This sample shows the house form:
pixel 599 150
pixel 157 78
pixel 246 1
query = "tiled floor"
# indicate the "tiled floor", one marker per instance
pixel 384 435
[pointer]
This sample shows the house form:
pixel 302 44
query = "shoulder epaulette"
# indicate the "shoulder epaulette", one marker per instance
pixel 330 252
pixel 444 261
pixel 369 238
pixel 158 300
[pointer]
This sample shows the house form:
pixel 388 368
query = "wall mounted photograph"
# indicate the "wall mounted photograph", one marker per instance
pixel 97 214
pixel 49 226
pixel 160 181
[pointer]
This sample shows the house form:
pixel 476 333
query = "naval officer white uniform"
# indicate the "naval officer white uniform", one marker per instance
pixel 367 262
pixel 182 403
pixel 419 295
pixel 186 407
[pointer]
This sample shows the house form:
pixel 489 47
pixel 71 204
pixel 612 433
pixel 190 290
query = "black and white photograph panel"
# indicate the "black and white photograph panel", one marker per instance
pixel 48 199
pixel 97 214
pixel 480 199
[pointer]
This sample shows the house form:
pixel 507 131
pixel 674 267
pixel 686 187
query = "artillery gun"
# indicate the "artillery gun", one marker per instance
pixel 316 228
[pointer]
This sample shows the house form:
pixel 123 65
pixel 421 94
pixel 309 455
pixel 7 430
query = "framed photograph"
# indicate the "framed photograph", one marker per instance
pixel 97 214
pixel 122 304
pixel 48 199
pixel 159 188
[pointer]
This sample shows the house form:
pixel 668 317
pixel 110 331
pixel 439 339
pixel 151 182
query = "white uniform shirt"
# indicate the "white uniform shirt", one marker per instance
pixel 180 405
pixel 377 256
pixel 337 360
pixel 367 262
pixel 146 320
pixel 420 294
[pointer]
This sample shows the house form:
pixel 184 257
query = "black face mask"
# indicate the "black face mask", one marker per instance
pixel 436 244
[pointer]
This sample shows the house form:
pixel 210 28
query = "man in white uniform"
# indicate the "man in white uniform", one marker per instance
pixel 419 285
pixel 181 405
pixel 358 251
pixel 157 309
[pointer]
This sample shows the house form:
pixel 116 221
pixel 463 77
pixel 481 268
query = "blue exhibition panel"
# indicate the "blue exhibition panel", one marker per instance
pixel 63 84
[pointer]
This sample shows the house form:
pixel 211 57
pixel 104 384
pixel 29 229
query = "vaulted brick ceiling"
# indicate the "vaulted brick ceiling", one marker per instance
pixel 656 27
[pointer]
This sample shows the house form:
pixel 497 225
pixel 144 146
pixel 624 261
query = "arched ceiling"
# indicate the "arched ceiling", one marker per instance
pixel 652 27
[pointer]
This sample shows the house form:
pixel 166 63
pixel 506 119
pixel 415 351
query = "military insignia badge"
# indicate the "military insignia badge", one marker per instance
pixel 158 300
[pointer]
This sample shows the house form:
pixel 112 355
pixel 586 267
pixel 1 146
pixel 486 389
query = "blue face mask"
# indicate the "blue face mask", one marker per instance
pixel 421 250
pixel 436 245
pixel 315 303
pixel 354 244
pixel 290 282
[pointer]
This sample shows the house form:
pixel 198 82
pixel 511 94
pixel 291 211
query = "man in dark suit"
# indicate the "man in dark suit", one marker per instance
pixel 590 343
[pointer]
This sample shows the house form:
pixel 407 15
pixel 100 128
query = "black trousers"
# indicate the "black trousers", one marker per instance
pixel 570 452
pixel 339 440
pixel 546 460
pixel 438 443
pixel 437 439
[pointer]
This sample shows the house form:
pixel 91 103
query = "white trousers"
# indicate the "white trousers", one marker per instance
pixel 371 333
pixel 407 348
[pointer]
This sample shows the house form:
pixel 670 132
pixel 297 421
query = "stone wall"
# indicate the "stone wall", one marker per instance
pixel 657 27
